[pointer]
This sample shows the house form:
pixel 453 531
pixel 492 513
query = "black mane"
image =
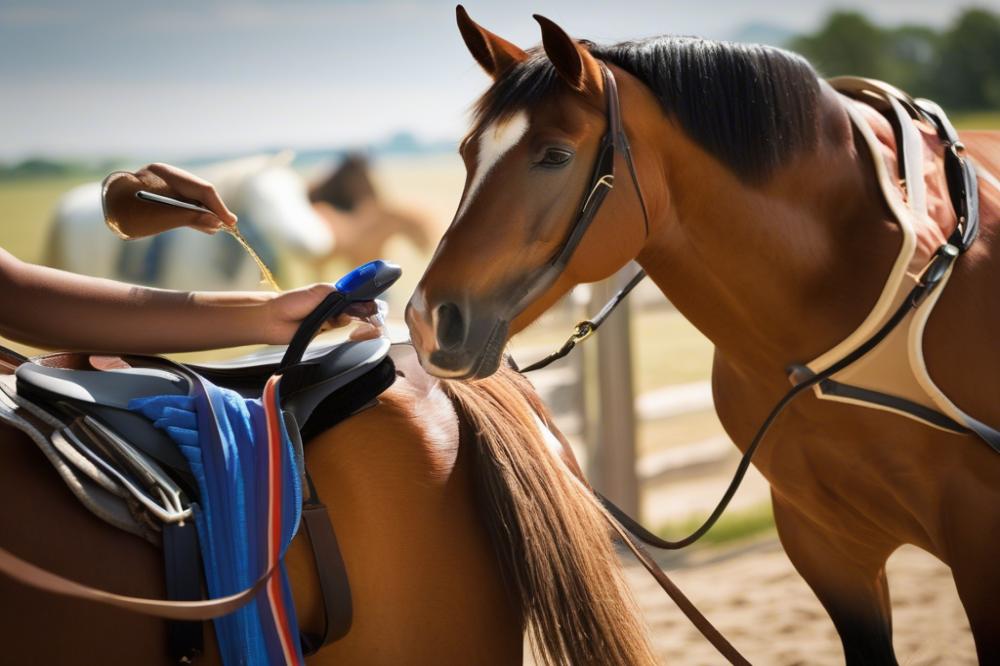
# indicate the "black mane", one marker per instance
pixel 749 105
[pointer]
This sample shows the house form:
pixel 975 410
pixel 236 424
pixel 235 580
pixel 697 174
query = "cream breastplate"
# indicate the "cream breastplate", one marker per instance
pixel 893 376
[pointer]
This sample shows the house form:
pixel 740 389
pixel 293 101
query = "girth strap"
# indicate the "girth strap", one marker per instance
pixel 334 585
pixel 182 574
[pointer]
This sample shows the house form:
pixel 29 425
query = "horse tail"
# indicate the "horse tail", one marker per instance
pixel 549 533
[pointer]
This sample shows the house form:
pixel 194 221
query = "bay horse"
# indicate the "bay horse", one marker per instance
pixel 754 206
pixel 459 521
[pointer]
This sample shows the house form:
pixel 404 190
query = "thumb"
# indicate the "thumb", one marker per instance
pixel 207 223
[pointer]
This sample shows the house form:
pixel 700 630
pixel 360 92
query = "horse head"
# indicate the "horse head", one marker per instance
pixel 347 185
pixel 530 160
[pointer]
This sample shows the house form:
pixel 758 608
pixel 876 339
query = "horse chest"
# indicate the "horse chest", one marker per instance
pixel 853 470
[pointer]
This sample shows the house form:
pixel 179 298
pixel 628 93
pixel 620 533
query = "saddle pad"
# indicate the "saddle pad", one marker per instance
pixel 248 473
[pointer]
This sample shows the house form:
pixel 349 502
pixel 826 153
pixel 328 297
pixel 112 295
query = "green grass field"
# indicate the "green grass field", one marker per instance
pixel 983 120
pixel 26 212
pixel 732 527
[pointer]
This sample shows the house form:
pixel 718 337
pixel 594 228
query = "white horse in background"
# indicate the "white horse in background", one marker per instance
pixel 275 216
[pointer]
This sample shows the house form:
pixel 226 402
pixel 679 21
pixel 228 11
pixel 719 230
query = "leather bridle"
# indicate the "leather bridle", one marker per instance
pixel 613 143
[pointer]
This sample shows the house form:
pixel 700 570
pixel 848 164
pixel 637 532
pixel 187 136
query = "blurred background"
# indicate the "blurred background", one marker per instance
pixel 340 120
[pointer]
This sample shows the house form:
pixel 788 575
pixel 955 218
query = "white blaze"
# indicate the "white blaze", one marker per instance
pixel 494 141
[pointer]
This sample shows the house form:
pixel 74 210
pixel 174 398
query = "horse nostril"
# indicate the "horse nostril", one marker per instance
pixel 450 329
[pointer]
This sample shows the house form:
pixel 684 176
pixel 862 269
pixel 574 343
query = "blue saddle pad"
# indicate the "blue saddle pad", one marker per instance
pixel 250 498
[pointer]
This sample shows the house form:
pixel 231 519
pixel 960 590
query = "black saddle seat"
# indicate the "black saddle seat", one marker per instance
pixel 62 384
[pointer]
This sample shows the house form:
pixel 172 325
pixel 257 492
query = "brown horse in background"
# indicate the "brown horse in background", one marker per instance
pixel 361 222
pixel 767 229
pixel 459 527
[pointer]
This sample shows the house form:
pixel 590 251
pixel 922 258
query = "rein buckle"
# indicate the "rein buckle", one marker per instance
pixel 583 330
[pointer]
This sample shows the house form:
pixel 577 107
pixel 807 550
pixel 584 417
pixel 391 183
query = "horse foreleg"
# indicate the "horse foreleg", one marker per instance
pixel 849 579
pixel 971 553
pixel 979 589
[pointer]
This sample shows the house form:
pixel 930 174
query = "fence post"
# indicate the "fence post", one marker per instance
pixel 613 460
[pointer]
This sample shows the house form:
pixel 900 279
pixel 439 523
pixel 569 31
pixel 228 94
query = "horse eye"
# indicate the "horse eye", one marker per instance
pixel 555 157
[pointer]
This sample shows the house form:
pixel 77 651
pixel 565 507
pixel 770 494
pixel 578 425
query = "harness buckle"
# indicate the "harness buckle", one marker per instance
pixel 934 272
pixel 583 330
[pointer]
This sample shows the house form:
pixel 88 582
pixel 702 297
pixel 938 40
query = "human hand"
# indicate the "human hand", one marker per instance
pixel 134 218
pixel 286 310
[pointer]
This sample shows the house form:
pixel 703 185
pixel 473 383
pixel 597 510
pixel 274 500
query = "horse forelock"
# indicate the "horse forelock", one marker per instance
pixel 751 106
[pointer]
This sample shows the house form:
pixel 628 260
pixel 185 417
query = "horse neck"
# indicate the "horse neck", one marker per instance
pixel 780 272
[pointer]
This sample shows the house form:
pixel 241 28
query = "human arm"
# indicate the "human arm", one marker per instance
pixel 48 308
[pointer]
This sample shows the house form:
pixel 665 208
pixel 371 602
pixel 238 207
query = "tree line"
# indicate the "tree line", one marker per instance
pixel 958 67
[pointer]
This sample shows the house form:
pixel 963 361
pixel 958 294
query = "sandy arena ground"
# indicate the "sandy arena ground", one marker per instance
pixel 755 597
pixel 760 603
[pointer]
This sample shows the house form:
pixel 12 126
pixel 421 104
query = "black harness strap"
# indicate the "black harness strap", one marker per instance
pixel 932 277
pixel 602 182
pixel 588 327
pixel 334 585
pixel 182 574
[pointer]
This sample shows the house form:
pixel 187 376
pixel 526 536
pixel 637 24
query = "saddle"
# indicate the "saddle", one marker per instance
pixel 84 399
pixel 75 407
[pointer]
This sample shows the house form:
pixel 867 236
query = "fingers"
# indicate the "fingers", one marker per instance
pixel 290 308
pixel 362 309
pixel 192 187
pixel 365 331
pixel 206 224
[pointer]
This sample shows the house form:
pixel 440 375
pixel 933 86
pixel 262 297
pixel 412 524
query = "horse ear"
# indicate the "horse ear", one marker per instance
pixel 573 62
pixel 495 54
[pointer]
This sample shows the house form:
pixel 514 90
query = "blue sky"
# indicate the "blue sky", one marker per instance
pixel 177 77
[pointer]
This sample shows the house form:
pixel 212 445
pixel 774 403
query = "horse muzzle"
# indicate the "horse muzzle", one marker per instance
pixel 452 342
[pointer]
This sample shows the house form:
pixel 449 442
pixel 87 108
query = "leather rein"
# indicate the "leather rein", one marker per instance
pixel 963 190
